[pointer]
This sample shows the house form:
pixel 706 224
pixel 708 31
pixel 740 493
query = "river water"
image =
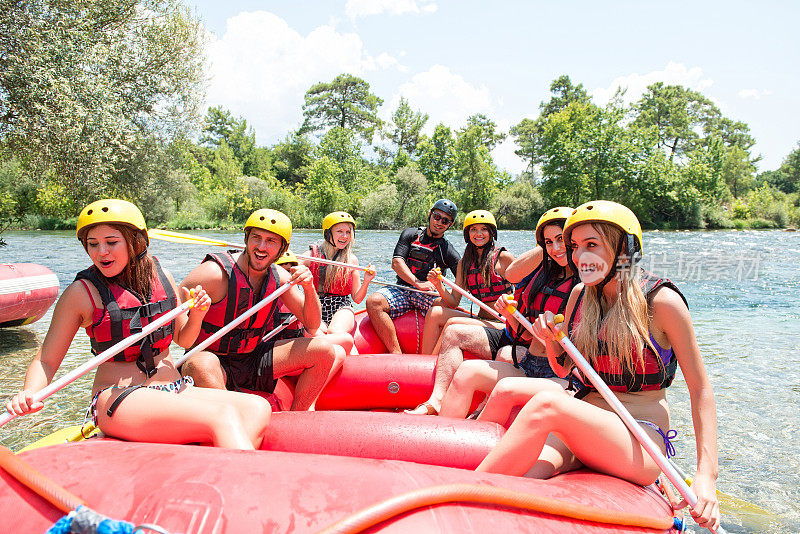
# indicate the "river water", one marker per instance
pixel 742 288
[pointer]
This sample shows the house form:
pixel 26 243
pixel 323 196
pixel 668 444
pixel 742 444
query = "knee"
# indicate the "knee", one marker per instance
pixel 259 410
pixel 201 364
pixel 543 407
pixel 435 313
pixel 375 302
pixel 464 379
pixel 455 336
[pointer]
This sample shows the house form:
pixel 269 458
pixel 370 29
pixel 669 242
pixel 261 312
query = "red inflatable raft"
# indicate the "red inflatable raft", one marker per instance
pixel 316 469
pixel 27 290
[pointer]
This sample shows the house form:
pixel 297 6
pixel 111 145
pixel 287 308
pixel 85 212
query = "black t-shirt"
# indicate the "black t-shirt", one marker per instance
pixel 444 254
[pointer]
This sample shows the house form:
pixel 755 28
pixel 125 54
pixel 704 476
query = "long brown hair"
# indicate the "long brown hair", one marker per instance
pixel 625 323
pixel 482 257
pixel 138 274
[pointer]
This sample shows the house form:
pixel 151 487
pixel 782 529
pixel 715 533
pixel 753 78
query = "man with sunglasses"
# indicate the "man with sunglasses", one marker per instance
pixel 418 250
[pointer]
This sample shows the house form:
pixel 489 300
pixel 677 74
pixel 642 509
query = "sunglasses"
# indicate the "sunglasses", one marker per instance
pixel 441 218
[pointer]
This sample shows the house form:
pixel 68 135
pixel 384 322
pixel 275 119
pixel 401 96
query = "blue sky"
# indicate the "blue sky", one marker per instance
pixel 455 58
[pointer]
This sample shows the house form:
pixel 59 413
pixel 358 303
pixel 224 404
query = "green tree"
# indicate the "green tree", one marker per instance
pixel 475 172
pixel 405 130
pixel 675 114
pixel 291 159
pixel 83 82
pixel 219 125
pixel 437 160
pixel 526 135
pixel 345 102
pixel 485 130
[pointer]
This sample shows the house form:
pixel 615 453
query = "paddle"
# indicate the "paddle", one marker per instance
pixel 644 440
pixel 280 328
pixel 404 288
pixel 102 357
pixel 470 297
pixel 230 326
pixel 178 237
pixel 339 263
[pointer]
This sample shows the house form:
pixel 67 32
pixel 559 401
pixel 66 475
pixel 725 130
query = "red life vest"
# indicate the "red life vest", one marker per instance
pixel 421 256
pixel 552 295
pixel 238 299
pixel 319 270
pixel 125 313
pixel 657 369
pixel 497 285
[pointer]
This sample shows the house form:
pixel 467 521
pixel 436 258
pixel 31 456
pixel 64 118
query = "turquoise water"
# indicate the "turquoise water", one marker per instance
pixel 741 286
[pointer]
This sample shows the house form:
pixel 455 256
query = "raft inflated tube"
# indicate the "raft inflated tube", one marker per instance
pixel 446 442
pixel 27 290
pixel 40 484
pixel 383 511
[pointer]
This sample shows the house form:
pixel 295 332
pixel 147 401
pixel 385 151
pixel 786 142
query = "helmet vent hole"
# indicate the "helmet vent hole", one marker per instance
pixel 589 207
pixel 261 218
pixel 89 212
pixel 273 221
pixel 105 209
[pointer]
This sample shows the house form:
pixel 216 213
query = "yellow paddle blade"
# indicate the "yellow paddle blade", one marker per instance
pixel 64 435
pixel 178 237
pixel 750 515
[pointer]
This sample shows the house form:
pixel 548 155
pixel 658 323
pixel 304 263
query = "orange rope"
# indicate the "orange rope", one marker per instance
pixel 38 483
pixel 400 504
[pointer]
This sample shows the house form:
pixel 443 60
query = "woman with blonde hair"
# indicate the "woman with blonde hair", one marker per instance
pixel 634 329
pixel 337 285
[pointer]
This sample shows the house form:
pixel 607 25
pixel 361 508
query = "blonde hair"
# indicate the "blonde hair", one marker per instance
pixel 335 275
pixel 624 326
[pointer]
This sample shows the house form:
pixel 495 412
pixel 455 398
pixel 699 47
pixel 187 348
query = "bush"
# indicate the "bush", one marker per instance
pixel 379 209
pixel 518 207
pixel 715 216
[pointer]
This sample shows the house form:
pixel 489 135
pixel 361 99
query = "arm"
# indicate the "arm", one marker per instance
pixel 672 317
pixel 523 265
pixel 399 265
pixel 546 327
pixel 504 260
pixel 450 298
pixel 187 328
pixel 305 306
pixel 359 289
pixel 73 310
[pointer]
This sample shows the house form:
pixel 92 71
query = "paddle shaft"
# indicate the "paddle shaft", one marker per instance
pixel 471 298
pixel 638 432
pixel 405 288
pixel 230 326
pixel 280 328
pixel 178 237
pixel 338 263
pixel 81 370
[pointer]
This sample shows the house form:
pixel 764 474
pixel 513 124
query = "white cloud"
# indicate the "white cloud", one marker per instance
pixel 754 93
pixel 261 68
pixel 445 96
pixel 636 84
pixel 364 8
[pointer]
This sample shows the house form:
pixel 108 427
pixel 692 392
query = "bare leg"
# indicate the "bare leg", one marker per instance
pixel 313 358
pixel 205 370
pixel 378 311
pixel 597 438
pixel 457 339
pixel 472 376
pixel 513 391
pixel 196 415
pixel 435 320
pixel 463 319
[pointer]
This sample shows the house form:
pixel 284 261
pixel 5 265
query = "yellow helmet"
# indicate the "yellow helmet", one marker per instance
pixel 480 217
pixel 337 217
pixel 272 221
pixel 608 212
pixel 111 210
pixel 287 257
pixel 560 213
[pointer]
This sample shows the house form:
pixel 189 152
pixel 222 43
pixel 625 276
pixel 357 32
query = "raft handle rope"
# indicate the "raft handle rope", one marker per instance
pixel 633 427
pixel 451 493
